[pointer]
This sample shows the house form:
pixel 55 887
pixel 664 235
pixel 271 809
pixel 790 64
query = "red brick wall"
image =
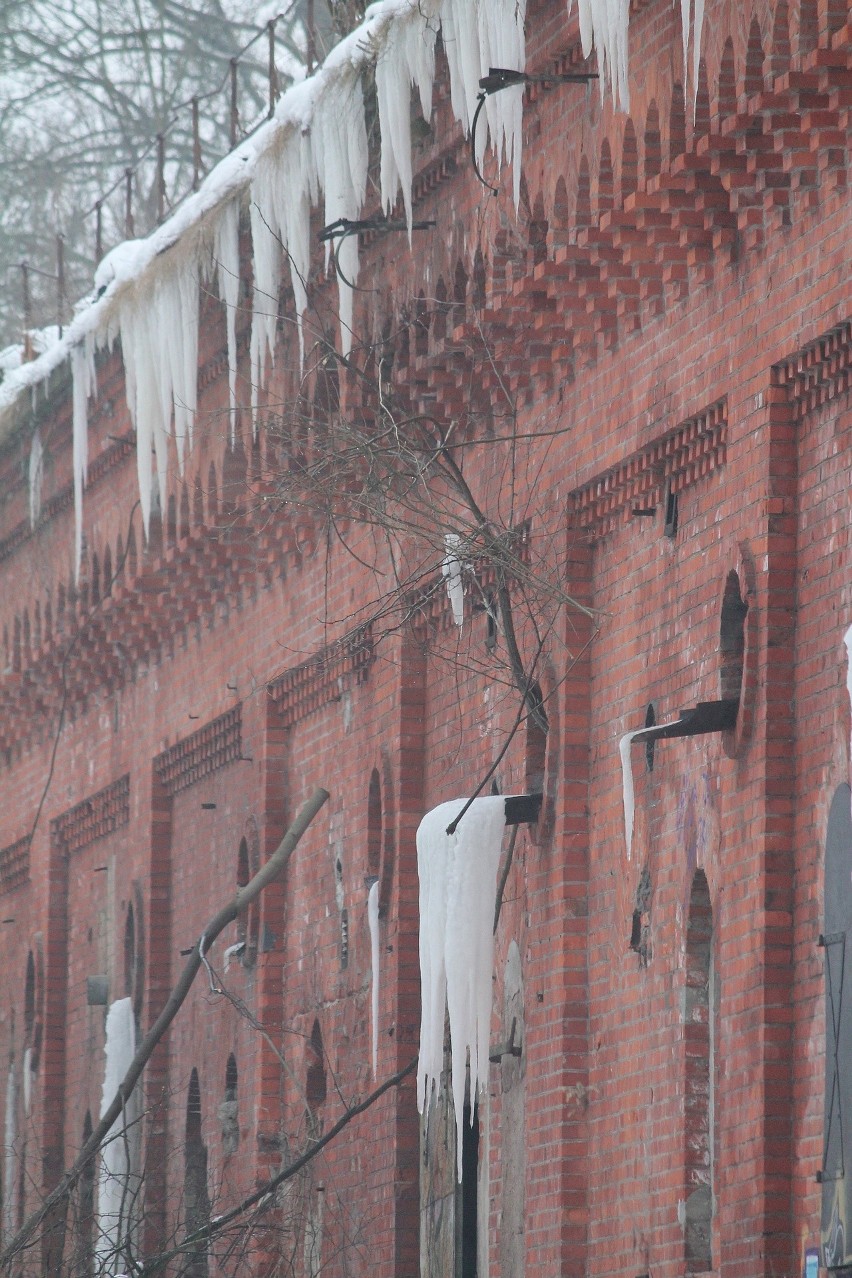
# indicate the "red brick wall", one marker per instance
pixel 687 330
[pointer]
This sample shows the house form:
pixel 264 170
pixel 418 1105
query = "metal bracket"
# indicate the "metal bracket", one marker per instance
pixel 522 809
pixel 511 1048
pixel 701 720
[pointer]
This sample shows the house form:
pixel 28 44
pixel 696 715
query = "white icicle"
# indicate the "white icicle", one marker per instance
pixel 373 924
pixel 339 140
pixel 476 37
pixel 697 32
pixel 407 58
pixel 604 26
pixel 458 888
pixel 638 734
pixel 116 1188
pixel 28 1080
pixel 627 788
pixel 35 477
pixel 10 1154
pixel 452 568
pixel 226 250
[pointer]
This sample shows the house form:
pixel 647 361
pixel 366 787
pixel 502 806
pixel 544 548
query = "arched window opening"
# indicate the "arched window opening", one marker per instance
pixel 653 142
pixel 605 180
pixel 439 319
pixel 228 1112
pixel 629 162
pixel 538 229
pixel 243 876
pixel 727 96
pixel 374 825
pixel 196 1199
pixel 702 102
pixel 129 952
pixel 315 1082
pixel 29 999
pixel 754 60
pixel 732 638
pixel 698 1080
pixel 677 123
pixel 479 280
pixel 583 216
pixel 107 574
pixel 536 744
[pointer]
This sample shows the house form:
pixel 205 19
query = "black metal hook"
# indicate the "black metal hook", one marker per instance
pixel 344 227
pixel 500 78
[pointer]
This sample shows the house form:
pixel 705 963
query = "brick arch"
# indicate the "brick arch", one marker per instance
pixel 95 579
pixel 808 27
pixel 677 122
pixel 629 162
pixel 196 1199
pixel 701 119
pixel 583 214
pixel 132 559
pixel 48 620
pixel 183 513
pixel 36 625
pixel 439 317
pixel 606 199
pixel 421 326
pixel 197 503
pixel 652 142
pixel 460 284
pixel 107 570
pixel 16 645
pixel 754 60
pixel 779 57
pixel 561 220
pixel 726 90
pixel 478 280
pixel 538 229
pixel 171 520
pixel 212 496
pixel 26 633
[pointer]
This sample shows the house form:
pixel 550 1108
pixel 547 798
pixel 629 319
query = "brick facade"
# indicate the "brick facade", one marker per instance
pixel 645 377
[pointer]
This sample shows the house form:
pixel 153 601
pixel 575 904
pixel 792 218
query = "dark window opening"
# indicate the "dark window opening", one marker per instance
pixel 650 720
pixel 228 1113
pixel 467 1216
pixel 670 524
pixel 195 1196
pixel 536 751
pixel 732 638
pixel 315 1084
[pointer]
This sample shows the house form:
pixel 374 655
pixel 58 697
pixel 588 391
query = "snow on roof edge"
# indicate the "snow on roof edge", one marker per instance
pixel 228 179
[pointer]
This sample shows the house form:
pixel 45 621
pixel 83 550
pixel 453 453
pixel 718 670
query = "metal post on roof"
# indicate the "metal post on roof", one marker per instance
pixel 60 281
pixel 25 289
pixel 161 176
pixel 235 118
pixel 99 232
pixel 128 204
pixel 196 146
pixel 273 73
